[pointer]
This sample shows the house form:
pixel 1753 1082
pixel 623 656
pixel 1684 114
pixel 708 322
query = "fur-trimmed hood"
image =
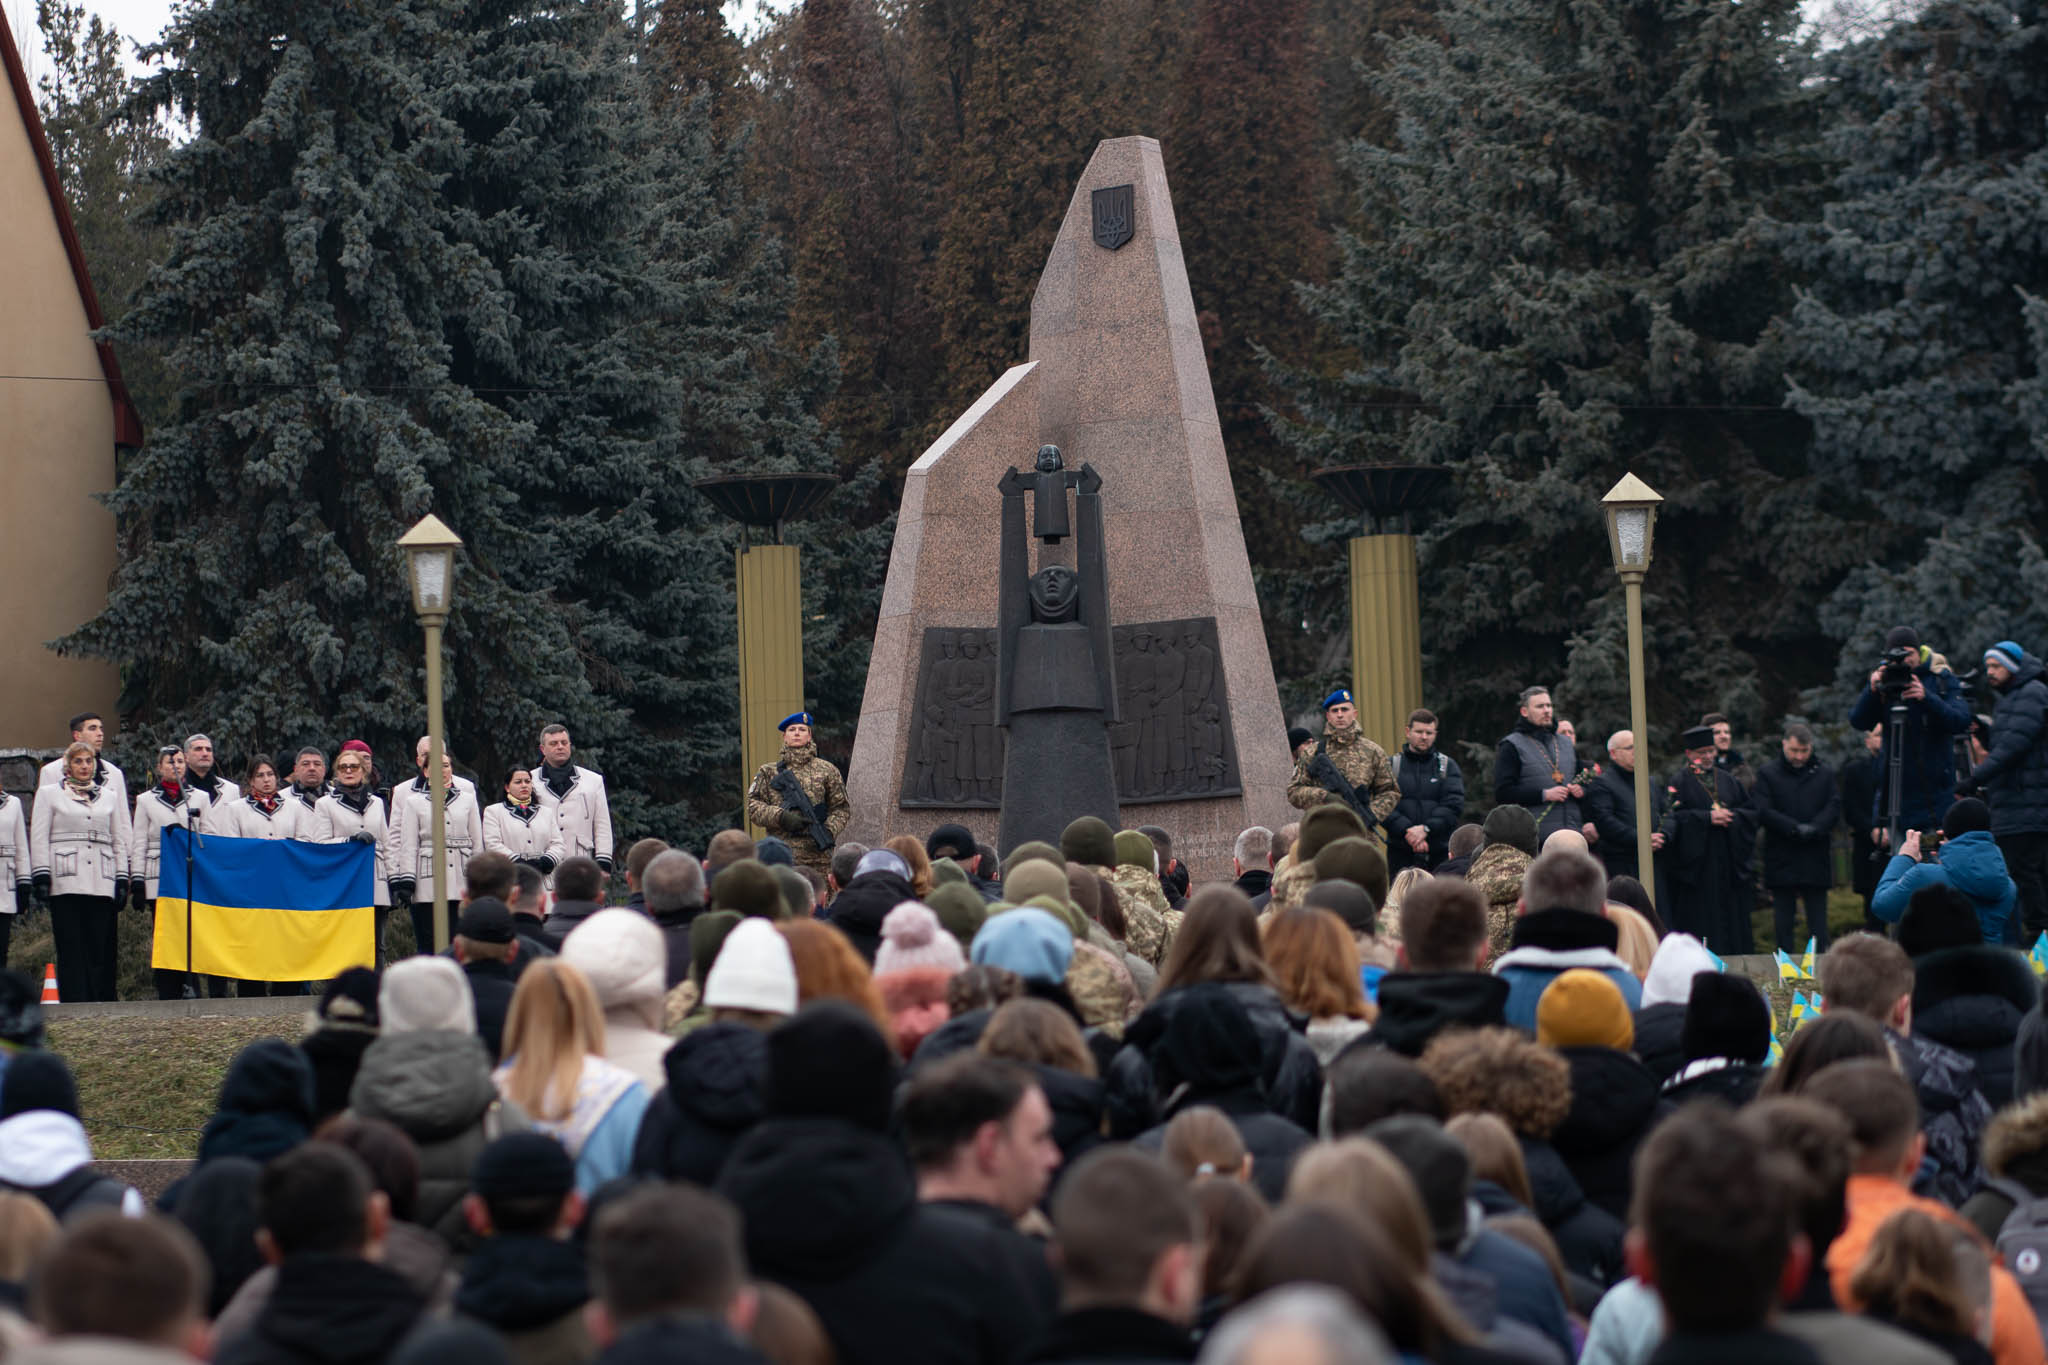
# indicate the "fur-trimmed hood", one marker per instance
pixel 2016 1143
pixel 1985 970
pixel 1504 1072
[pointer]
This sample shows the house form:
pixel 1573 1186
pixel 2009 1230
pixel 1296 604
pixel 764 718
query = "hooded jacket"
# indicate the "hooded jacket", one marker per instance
pixel 2014 773
pixel 335 1050
pixel 1416 1006
pixel 1971 863
pixel 1667 989
pixel 1973 999
pixel 45 1152
pixel 861 906
pixel 266 1104
pixel 623 954
pixel 1077 1103
pixel 714 1095
pixel 327 1310
pixel 1953 1116
pixel 1289 1078
pixel 435 1085
pixel 830 1211
pixel 1548 943
pixel 1588 1237
pixel 531 1291
pixel 1614 1105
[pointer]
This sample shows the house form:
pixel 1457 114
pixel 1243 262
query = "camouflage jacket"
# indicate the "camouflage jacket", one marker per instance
pixel 1365 766
pixel 1144 915
pixel 820 781
pixel 1290 884
pixel 1497 871
pixel 1102 988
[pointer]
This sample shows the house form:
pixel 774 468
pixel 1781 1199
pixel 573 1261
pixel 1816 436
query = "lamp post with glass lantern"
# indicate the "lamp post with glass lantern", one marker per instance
pixel 430 565
pixel 1631 507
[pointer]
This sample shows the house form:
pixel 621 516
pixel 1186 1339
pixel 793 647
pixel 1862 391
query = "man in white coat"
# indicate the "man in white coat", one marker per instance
pixel 582 810
pixel 88 728
pixel 202 774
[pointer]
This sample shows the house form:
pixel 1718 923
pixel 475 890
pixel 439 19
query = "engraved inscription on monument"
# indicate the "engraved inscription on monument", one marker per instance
pixel 1173 742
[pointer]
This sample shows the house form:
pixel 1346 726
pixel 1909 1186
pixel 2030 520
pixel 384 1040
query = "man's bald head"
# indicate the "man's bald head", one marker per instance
pixel 1566 839
pixel 1621 748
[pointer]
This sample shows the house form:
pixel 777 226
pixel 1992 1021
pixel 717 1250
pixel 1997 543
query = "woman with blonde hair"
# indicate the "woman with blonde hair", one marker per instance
pixel 78 855
pixel 555 1071
pixel 1390 914
pixel 829 967
pixel 1637 945
pixel 920 863
pixel 1314 961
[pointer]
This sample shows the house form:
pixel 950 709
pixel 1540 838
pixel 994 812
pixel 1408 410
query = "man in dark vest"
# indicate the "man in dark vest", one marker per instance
pixel 1611 807
pixel 1536 767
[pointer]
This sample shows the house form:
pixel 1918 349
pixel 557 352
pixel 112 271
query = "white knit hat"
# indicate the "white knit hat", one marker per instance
pixel 1680 957
pixel 913 937
pixel 754 971
pixel 423 993
pixel 621 951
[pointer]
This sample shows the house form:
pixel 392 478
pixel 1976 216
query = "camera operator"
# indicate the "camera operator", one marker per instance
pixel 1935 714
pixel 2013 776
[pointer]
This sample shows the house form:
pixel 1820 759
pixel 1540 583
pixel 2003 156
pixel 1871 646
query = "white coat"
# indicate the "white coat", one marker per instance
pixel 221 793
pixel 15 862
pixel 334 821
pixel 52 775
pixel 152 814
pixel 244 819
pixel 530 834
pixel 412 844
pixel 584 814
pixel 81 846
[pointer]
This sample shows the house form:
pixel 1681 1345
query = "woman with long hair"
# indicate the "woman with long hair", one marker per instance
pixel 555 1070
pixel 1819 1044
pixel 1314 960
pixel 78 850
pixel 1044 1037
pixel 1932 1280
pixel 829 967
pixel 920 863
pixel 1217 944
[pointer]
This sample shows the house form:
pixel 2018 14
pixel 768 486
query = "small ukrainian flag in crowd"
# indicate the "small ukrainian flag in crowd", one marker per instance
pixel 1804 1007
pixel 1806 963
pixel 1788 970
pixel 2038 959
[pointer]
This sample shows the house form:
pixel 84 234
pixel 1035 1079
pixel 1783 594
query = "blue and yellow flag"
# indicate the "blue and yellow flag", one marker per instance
pixel 2038 959
pixel 265 909
pixel 1788 970
pixel 1806 963
pixel 1804 1007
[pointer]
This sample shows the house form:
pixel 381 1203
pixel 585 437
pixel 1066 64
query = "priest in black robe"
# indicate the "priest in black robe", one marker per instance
pixel 1706 833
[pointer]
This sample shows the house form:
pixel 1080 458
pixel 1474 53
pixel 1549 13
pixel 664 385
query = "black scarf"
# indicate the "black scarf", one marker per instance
pixel 357 800
pixel 560 779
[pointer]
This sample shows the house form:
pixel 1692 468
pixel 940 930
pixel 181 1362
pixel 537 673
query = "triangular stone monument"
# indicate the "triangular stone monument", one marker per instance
pixel 1117 378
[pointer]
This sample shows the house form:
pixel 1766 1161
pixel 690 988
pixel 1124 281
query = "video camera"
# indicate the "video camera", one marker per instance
pixel 1895 673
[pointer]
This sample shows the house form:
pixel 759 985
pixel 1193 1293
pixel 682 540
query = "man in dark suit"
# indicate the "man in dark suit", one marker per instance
pixel 1611 807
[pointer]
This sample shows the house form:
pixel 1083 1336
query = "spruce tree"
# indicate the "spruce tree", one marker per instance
pixel 1918 353
pixel 1563 272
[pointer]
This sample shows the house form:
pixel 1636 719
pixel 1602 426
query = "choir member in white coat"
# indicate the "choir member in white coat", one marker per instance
pixel 522 828
pixel 583 809
pixel 78 850
pixel 171 803
pixel 412 847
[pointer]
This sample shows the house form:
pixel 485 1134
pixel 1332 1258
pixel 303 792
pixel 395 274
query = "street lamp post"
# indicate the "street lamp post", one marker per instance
pixel 430 564
pixel 1631 507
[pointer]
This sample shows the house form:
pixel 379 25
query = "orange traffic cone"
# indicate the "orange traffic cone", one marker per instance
pixel 49 983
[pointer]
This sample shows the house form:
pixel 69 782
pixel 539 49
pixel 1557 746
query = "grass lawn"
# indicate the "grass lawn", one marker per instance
pixel 147 1086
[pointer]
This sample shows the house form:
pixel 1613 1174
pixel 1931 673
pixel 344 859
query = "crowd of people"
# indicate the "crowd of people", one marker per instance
pixel 1062 1106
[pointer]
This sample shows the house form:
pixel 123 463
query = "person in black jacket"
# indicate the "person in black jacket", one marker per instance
pixel 323 1227
pixel 1797 804
pixel 669 1280
pixel 1129 1247
pixel 881 882
pixel 979 1132
pixel 2014 777
pixel 674 887
pixel 1861 778
pixel 1432 799
pixel 346 1025
pixel 1614 1100
pixel 830 1209
pixel 1967 994
pixel 1610 807
pixel 1438 984
pixel 579 894
pixel 525 1278
pixel 486 945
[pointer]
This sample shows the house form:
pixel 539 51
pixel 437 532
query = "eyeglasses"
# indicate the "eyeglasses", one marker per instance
pixel 348 767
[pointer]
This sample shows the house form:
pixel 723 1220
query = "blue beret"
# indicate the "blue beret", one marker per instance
pixel 1342 694
pixel 800 718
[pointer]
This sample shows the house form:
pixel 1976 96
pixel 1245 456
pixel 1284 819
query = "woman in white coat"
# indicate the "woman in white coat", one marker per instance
pixel 15 865
pixel 168 804
pixel 263 813
pixel 412 848
pixel 78 848
pixel 523 829
pixel 353 811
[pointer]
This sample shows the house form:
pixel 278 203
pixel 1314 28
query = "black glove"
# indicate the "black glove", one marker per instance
pixel 138 894
pixel 401 891
pixel 604 861
pixel 24 897
pixel 120 891
pixel 1966 789
pixel 362 836
pixel 544 863
pixel 42 885
pixel 792 821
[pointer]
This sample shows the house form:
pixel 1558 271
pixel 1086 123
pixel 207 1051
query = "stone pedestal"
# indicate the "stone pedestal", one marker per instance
pixel 1117 378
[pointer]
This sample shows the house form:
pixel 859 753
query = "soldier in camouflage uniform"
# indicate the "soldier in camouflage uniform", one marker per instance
pixel 820 782
pixel 1363 763
pixel 1146 913
pixel 1497 871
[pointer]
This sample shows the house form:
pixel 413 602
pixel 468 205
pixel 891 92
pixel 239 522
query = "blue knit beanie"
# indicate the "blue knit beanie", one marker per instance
pixel 1031 943
pixel 2006 652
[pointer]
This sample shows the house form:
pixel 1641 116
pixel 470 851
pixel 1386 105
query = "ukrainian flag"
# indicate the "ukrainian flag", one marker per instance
pixel 265 909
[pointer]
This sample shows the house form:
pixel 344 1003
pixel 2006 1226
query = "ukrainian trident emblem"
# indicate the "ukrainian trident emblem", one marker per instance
pixel 1113 215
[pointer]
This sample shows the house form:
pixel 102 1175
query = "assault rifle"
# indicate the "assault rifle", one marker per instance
pixel 1324 772
pixel 793 798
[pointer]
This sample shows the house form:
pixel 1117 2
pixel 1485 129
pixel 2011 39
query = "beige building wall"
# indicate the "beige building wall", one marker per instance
pixel 56 452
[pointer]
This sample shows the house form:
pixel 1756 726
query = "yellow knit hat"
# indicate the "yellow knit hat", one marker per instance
pixel 1582 1008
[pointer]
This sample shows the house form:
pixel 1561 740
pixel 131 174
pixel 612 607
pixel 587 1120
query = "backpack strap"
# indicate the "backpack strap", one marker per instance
pixel 2023 1199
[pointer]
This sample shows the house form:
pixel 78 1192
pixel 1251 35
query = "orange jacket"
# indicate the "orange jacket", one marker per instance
pixel 2015 1335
